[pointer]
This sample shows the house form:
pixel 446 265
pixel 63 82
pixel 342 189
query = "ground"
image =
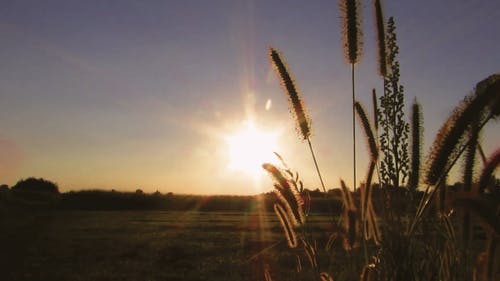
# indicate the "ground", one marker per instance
pixel 140 245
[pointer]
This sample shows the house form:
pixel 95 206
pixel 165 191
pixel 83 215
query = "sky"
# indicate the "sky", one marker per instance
pixel 145 94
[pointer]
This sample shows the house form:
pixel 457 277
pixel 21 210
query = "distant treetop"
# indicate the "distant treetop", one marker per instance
pixel 38 185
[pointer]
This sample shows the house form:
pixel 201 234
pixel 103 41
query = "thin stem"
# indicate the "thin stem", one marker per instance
pixel 353 128
pixel 365 250
pixel 316 164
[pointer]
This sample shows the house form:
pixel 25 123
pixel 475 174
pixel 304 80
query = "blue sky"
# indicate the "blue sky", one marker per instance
pixel 140 94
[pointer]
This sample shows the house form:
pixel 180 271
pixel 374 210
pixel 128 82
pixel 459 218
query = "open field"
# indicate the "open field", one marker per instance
pixel 140 245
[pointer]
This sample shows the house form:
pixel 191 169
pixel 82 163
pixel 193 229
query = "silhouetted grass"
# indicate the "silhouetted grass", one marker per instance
pixel 382 234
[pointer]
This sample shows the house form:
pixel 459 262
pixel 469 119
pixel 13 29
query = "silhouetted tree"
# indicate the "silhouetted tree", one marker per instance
pixel 4 191
pixel 4 187
pixel 36 185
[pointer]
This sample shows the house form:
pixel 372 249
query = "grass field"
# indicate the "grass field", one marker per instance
pixel 141 245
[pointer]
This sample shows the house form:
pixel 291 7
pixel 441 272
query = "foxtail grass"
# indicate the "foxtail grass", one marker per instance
pixel 470 156
pixel 402 249
pixel 352 37
pixel 295 101
pixel 287 226
pixel 376 126
pixel 351 30
pixel 288 194
pixel 452 137
pixel 380 31
pixel 367 128
pixel 416 145
pixel 486 176
pixel 296 105
pixel 366 187
pixel 310 251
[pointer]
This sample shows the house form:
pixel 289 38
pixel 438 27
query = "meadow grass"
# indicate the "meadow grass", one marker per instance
pixel 143 245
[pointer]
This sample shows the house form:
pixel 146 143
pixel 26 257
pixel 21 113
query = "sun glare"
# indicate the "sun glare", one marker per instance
pixel 249 148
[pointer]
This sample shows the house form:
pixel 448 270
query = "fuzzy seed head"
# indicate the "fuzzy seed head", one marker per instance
pixel 290 234
pixel 380 30
pixel 276 175
pixel 416 144
pixel 370 137
pixel 303 123
pixel 287 194
pixel 351 29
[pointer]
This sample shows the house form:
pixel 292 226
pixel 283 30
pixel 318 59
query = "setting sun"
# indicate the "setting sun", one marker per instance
pixel 250 147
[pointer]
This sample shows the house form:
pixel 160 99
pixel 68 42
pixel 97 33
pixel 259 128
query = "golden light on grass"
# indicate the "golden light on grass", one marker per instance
pixel 249 147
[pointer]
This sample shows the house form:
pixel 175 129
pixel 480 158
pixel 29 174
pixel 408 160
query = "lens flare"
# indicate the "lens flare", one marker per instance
pixel 250 147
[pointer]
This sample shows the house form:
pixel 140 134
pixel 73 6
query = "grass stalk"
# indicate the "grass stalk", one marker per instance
pixel 353 127
pixel 303 122
pixel 316 165
pixel 352 37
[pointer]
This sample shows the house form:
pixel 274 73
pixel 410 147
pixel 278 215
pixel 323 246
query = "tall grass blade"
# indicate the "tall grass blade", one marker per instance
pixel 486 215
pixel 311 253
pixel 352 37
pixel 416 144
pixel 481 153
pixel 349 218
pixel 492 259
pixel 375 110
